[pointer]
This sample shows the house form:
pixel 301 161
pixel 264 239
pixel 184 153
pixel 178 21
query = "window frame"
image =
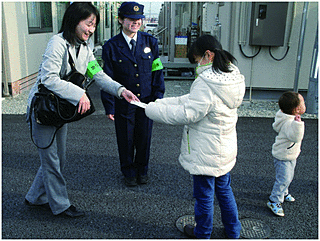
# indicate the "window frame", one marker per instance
pixel 41 15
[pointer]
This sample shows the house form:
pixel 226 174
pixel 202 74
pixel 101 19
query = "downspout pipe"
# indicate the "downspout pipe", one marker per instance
pixel 300 47
pixel 312 96
pixel 5 83
pixel 172 31
pixel 5 66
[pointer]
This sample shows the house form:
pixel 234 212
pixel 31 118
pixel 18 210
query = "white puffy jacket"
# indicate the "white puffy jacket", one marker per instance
pixel 287 146
pixel 209 113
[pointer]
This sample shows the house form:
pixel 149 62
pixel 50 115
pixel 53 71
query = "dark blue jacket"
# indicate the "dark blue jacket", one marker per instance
pixel 133 71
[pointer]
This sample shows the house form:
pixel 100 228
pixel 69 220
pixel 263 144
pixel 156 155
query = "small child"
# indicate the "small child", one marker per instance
pixel 286 148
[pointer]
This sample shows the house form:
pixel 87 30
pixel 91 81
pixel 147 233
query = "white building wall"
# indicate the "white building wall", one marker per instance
pixel 22 51
pixel 262 71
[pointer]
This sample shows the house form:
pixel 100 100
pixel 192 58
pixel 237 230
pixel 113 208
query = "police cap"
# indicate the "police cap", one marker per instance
pixel 131 10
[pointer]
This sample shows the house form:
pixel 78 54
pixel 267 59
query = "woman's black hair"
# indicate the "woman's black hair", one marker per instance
pixel 221 58
pixel 75 13
pixel 288 102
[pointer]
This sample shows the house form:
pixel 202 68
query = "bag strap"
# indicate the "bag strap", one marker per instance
pixel 72 64
pixel 32 109
pixel 30 121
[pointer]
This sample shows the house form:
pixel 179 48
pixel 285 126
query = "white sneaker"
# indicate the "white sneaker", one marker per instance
pixel 289 198
pixel 276 208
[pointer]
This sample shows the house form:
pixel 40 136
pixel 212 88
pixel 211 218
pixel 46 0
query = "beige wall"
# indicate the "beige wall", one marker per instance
pixel 22 51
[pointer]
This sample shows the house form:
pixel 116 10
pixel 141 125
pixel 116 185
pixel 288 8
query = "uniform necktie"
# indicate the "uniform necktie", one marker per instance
pixel 133 43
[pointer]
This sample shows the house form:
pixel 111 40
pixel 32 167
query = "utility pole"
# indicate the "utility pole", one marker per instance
pixel 150 13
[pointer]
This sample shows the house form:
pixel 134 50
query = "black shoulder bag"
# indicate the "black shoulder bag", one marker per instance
pixel 51 110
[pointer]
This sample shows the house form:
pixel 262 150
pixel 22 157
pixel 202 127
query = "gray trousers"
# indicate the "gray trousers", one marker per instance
pixel 49 185
pixel 284 177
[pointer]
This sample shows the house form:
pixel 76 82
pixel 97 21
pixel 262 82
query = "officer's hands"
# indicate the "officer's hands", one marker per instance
pixel 129 96
pixel 111 117
pixel 84 104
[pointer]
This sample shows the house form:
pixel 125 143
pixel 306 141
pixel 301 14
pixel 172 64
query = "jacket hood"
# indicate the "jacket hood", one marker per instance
pixel 229 87
pixel 280 120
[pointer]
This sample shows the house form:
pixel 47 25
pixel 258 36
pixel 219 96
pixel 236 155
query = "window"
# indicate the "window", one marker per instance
pixel 97 35
pixel 39 17
pixel 61 9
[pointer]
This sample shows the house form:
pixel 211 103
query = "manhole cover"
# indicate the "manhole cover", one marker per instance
pixel 184 220
pixel 254 229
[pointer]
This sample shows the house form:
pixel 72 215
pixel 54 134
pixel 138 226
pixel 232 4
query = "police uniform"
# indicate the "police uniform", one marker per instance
pixel 140 72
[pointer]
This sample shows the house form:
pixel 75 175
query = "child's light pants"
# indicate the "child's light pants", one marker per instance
pixel 204 189
pixel 284 176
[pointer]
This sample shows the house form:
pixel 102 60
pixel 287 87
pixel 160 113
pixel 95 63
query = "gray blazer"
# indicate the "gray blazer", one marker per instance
pixel 55 65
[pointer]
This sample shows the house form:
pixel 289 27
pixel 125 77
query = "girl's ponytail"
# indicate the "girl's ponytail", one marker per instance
pixel 222 60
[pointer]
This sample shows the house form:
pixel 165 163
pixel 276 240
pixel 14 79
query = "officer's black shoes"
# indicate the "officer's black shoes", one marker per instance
pixel 143 179
pixel 42 206
pixel 134 181
pixel 72 212
pixel 130 181
pixel 188 231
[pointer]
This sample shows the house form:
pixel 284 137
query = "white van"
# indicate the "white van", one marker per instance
pixel 150 28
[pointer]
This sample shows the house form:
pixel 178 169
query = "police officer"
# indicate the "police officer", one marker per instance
pixel 132 59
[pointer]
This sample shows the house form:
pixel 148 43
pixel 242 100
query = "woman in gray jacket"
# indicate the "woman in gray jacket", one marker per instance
pixel 79 22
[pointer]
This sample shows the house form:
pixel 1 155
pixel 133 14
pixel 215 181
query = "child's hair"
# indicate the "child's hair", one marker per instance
pixel 221 59
pixel 75 13
pixel 288 102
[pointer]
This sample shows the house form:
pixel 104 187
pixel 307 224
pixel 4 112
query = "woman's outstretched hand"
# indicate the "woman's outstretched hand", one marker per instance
pixel 129 96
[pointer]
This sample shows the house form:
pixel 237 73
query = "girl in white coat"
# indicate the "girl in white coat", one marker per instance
pixel 209 141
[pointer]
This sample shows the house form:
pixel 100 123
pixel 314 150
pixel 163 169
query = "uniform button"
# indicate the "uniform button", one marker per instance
pixel 135 65
pixel 138 95
pixel 149 57
pixel 137 75
pixel 120 60
pixel 138 85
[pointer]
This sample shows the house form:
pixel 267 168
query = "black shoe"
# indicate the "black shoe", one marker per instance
pixel 188 230
pixel 72 212
pixel 42 206
pixel 130 181
pixel 143 179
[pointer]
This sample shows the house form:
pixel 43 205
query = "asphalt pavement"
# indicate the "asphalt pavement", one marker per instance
pixel 114 211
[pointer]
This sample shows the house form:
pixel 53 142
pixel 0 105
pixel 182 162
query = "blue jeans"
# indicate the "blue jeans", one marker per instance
pixel 204 188
pixel 284 177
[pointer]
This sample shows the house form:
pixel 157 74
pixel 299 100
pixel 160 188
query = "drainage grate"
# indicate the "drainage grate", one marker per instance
pixel 251 228
pixel 184 220
pixel 254 229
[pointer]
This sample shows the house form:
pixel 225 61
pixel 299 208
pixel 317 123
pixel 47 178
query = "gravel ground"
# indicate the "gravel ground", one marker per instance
pixel 254 108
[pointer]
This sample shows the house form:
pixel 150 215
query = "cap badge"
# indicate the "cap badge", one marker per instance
pixel 136 8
